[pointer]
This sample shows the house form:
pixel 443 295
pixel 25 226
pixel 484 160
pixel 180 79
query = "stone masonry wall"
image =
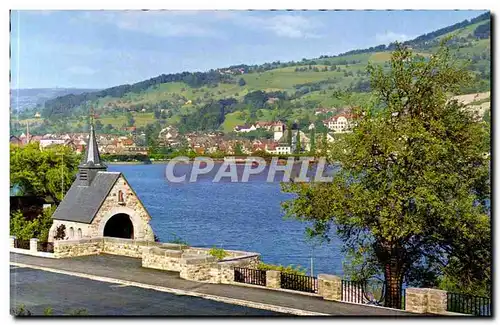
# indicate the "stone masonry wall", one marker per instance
pixel 162 259
pixel 199 269
pixel 94 246
pixel 126 247
pixel 330 287
pixel 143 231
pixel 426 300
pixel 80 230
pixel 80 247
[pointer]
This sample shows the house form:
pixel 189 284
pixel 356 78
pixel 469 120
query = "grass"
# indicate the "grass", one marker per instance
pixel 286 78
pixel 141 119
pixel 231 120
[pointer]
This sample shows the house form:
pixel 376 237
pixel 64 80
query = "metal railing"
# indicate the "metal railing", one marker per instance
pixel 250 276
pixel 44 246
pixel 299 282
pixel 369 292
pixel 468 304
pixel 352 291
pixel 22 243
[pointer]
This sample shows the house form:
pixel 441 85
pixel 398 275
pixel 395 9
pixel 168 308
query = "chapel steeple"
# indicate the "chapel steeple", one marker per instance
pixel 91 162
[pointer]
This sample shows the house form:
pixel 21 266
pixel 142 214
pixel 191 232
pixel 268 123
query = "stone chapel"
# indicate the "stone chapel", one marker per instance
pixel 100 203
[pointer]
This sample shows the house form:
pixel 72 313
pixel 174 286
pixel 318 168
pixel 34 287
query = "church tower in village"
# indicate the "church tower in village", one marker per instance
pixel 100 203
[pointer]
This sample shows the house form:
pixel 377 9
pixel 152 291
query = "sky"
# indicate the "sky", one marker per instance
pixel 100 49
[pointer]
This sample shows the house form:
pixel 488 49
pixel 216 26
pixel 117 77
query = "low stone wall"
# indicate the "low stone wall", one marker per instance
pixel 78 247
pixel 425 300
pixel 126 247
pixel 330 287
pixel 162 259
pixel 196 264
pixel 207 269
pixel 199 268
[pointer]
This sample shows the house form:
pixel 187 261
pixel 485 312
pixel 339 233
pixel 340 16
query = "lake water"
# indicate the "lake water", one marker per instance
pixel 240 216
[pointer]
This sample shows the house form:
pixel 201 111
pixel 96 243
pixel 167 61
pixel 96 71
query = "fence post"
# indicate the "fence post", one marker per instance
pixel 437 301
pixel 426 300
pixel 416 300
pixel 34 244
pixel 330 287
pixel 273 279
pixel 12 241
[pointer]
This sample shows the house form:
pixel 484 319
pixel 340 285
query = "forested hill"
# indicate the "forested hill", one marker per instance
pixel 303 84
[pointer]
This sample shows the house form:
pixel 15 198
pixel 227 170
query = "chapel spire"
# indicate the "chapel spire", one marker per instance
pixel 91 161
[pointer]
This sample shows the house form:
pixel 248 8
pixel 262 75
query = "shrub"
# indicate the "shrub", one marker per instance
pixel 292 269
pixel 219 253
pixel 178 240
pixel 36 228
pixel 60 232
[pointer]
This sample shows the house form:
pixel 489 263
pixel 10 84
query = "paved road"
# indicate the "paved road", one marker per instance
pixel 130 269
pixel 38 290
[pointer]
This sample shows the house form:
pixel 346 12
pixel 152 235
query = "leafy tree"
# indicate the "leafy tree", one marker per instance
pixel 36 228
pixel 411 198
pixel 98 125
pixel 39 173
pixel 238 149
pixel 313 140
pixel 242 82
pixel 289 134
pixel 108 128
pixel 298 147
pixel 157 114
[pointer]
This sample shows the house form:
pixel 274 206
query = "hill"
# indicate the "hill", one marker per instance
pixel 23 99
pixel 223 98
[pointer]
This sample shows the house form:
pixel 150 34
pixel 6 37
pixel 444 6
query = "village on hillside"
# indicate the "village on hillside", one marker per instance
pixel 205 143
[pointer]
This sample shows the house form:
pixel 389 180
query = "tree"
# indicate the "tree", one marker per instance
pixel 157 114
pixel 37 228
pixel 242 82
pixel 108 128
pixel 410 201
pixel 39 173
pixel 289 134
pixel 98 125
pixel 313 140
pixel 238 149
pixel 130 119
pixel 298 147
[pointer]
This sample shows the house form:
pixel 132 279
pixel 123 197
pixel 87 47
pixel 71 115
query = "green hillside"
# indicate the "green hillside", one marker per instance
pixel 223 98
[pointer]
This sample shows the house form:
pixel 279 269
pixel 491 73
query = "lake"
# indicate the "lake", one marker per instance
pixel 240 216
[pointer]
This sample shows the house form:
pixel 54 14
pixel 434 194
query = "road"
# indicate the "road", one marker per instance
pixel 38 290
pixel 130 269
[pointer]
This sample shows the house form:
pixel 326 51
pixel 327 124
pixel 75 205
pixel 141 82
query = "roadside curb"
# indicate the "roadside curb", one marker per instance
pixel 233 301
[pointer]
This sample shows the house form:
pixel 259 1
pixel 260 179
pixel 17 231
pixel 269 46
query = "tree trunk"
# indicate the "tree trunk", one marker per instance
pixel 394 280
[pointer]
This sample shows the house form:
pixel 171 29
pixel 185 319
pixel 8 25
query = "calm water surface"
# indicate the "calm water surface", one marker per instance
pixel 241 216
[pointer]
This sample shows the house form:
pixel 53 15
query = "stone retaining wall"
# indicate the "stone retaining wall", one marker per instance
pixel 425 300
pixel 126 247
pixel 162 259
pixel 78 247
pixel 196 264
